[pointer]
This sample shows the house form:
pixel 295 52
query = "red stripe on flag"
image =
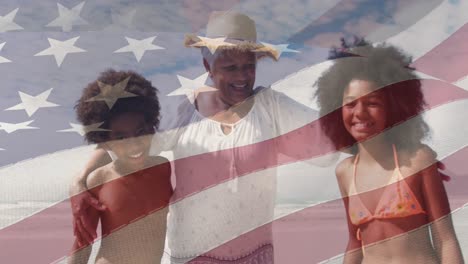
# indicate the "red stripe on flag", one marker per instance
pixel 452 52
pixel 41 238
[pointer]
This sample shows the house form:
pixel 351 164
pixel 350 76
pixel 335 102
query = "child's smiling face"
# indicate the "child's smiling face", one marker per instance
pixel 364 111
pixel 130 139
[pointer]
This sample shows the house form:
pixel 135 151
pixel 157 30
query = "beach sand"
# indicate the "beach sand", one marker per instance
pixel 316 234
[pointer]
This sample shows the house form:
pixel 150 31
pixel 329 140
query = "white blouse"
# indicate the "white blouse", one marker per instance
pixel 225 186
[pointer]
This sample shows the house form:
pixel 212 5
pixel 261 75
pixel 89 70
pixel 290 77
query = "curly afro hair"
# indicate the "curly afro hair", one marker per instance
pixel 145 102
pixel 388 68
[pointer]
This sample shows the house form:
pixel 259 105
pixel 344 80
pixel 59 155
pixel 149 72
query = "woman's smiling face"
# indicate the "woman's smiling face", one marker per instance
pixel 233 74
pixel 364 111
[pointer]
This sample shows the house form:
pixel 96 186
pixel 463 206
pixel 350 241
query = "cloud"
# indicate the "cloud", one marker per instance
pixel 278 20
pixel 432 29
pixel 197 12
pixel 328 39
pixel 340 11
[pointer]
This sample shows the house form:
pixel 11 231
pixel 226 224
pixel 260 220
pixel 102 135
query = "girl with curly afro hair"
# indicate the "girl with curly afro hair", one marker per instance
pixel 371 101
pixel 140 97
pixel 135 188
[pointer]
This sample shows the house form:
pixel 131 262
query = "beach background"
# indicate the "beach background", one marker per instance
pixel 329 224
pixel 301 188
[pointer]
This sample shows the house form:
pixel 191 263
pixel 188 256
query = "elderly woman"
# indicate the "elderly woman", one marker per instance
pixel 396 205
pixel 226 149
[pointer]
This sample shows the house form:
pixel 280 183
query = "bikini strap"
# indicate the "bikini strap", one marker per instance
pixel 395 157
pixel 397 170
pixel 353 189
pixel 354 164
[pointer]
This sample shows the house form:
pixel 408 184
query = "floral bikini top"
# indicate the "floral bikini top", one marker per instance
pixel 397 200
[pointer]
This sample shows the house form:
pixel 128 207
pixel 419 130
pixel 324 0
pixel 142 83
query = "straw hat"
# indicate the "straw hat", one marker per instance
pixel 230 30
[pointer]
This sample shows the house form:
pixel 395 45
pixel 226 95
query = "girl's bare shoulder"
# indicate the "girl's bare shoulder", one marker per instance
pixel 344 173
pixel 345 166
pixel 100 176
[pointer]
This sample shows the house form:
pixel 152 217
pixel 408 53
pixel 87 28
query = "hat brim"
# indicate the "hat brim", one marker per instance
pixel 193 41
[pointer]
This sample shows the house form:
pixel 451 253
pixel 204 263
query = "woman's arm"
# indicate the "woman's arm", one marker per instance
pixel 299 134
pixel 438 210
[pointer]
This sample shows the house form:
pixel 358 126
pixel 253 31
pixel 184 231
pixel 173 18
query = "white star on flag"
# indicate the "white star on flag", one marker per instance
pixel 83 130
pixel 6 22
pixel 122 21
pixel 111 93
pixel 3 59
pixel 32 103
pixel 139 47
pixel 60 49
pixel 211 43
pixel 279 47
pixel 11 127
pixel 68 17
pixel 188 85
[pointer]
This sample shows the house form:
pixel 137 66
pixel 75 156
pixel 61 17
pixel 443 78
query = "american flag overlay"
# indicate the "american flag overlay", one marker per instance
pixel 51 50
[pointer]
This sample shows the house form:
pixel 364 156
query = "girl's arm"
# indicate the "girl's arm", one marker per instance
pixel 82 250
pixel 438 210
pixel 82 200
pixel 353 252
pixel 82 247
